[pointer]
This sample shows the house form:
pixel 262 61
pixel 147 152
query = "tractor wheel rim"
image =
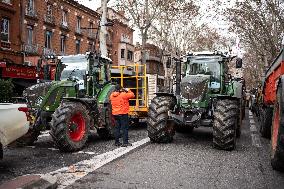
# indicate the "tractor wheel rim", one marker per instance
pixel 77 120
pixel 275 130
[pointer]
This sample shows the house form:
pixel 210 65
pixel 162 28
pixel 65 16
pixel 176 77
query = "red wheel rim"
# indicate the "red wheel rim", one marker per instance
pixel 77 127
pixel 275 126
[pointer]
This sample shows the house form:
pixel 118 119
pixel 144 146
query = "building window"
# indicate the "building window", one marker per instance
pixel 48 36
pixel 6 1
pixel 5 24
pixel 30 5
pixel 78 29
pixel 130 55
pixel 64 18
pixel 122 53
pixel 62 44
pixel 49 9
pixel 30 33
pixel 91 26
pixel 78 44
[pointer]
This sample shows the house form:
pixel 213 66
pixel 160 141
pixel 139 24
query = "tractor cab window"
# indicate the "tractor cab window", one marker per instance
pixel 72 73
pixel 74 68
pixel 206 67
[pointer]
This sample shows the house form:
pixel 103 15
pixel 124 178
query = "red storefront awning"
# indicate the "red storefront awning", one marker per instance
pixel 17 71
pixel 2 64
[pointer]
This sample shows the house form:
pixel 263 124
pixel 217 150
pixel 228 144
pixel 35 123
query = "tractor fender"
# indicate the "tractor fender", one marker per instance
pixel 86 101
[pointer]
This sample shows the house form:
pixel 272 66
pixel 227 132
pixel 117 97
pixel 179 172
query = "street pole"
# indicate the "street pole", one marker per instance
pixel 103 34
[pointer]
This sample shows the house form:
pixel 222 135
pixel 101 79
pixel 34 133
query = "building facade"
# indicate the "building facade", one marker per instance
pixel 35 29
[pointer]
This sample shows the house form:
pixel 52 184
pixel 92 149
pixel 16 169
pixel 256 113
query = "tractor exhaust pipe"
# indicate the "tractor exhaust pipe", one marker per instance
pixel 178 76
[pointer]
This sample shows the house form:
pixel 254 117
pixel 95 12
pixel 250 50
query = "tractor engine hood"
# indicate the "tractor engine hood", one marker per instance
pixel 194 87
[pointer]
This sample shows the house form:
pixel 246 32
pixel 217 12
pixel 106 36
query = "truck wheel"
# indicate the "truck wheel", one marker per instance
pixel 70 126
pixel 265 116
pixel 277 138
pixel 158 127
pixel 225 124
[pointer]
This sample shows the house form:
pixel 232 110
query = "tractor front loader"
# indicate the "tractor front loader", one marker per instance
pixel 205 95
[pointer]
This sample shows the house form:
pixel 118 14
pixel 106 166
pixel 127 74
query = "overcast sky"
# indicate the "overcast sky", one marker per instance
pixel 209 16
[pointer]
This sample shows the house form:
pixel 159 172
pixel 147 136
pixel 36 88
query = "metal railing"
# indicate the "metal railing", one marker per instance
pixel 48 18
pixel 30 48
pixel 31 12
pixel 48 52
pixel 139 86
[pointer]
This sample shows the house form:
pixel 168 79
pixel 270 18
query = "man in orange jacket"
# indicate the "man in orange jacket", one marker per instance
pixel 120 109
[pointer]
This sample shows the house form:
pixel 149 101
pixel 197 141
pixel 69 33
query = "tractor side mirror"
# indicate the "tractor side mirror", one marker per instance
pixel 239 63
pixel 169 62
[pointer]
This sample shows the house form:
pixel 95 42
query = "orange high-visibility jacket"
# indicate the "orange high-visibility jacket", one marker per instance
pixel 126 97
pixel 116 103
pixel 120 102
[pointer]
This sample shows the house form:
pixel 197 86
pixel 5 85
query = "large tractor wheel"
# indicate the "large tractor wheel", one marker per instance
pixel 70 126
pixel 277 138
pixel 225 124
pixel 107 132
pixel 266 115
pixel 158 127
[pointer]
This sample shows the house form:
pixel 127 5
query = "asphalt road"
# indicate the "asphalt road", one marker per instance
pixel 188 162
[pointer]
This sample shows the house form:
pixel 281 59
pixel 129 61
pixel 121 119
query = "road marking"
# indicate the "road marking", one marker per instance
pixel 254 136
pixel 256 140
pixel 69 175
pixel 253 128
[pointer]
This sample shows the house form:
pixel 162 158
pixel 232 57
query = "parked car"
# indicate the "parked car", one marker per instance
pixel 14 123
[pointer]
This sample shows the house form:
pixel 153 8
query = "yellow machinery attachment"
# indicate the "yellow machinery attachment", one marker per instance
pixel 137 82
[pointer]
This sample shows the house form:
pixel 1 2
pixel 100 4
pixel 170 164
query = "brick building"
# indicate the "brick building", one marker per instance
pixel 33 29
pixel 122 38
pixel 154 59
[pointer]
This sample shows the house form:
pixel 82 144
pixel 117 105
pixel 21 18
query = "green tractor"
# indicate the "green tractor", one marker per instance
pixel 81 90
pixel 205 95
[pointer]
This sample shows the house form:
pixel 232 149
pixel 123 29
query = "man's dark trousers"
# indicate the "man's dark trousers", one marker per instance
pixel 121 123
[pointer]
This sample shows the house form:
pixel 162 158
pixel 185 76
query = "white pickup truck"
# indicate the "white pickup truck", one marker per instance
pixel 13 123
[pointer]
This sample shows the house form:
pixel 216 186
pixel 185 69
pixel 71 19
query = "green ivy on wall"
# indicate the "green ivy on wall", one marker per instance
pixel 6 90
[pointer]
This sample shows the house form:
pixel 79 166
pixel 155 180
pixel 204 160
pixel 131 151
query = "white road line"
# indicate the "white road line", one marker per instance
pixel 256 140
pixel 252 121
pixel 69 175
pixel 250 113
pixel 44 134
pixel 254 137
pixel 253 128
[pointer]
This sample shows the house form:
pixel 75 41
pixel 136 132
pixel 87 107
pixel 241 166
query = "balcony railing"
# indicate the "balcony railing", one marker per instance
pixel 30 48
pixel 31 12
pixel 6 1
pixel 48 18
pixel 78 31
pixel 5 45
pixel 48 52
pixel 92 35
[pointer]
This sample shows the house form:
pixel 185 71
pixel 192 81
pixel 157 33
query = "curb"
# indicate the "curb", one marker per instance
pixel 31 182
